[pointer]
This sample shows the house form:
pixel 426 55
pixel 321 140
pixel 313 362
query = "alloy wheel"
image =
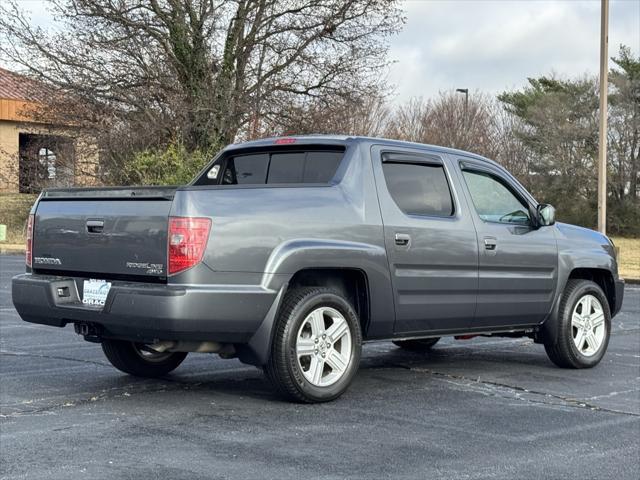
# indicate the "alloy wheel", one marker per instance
pixel 588 325
pixel 323 346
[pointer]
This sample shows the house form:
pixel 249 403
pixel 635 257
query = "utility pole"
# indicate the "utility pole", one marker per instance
pixel 602 146
pixel 466 105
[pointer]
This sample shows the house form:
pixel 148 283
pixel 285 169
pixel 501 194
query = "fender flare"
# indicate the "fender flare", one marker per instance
pixel 568 264
pixel 294 255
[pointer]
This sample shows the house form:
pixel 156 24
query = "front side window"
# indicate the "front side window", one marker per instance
pixel 495 202
pixel 419 189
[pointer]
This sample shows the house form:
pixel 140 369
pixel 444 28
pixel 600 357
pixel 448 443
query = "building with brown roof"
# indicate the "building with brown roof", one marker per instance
pixel 37 152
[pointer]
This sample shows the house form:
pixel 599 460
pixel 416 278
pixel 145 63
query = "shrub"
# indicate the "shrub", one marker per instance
pixel 174 165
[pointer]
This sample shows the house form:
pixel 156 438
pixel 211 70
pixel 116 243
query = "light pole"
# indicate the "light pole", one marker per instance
pixel 466 103
pixel 602 147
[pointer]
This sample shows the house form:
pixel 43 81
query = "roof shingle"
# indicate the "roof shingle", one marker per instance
pixel 19 87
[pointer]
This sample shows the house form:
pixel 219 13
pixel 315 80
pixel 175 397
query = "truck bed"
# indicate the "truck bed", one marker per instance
pixel 110 193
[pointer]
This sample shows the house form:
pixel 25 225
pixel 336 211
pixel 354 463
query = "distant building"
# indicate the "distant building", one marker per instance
pixel 36 152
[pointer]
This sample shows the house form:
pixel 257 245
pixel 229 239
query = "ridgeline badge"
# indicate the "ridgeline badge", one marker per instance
pixel 150 268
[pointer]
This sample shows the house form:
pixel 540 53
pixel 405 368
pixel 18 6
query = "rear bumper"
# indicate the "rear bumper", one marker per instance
pixel 146 312
pixel 619 296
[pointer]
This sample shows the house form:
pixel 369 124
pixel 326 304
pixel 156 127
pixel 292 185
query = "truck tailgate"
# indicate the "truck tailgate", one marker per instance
pixel 116 236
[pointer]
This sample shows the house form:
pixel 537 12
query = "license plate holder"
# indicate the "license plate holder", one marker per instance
pixel 94 292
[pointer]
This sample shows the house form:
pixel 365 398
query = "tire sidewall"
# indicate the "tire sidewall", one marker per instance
pixel 123 356
pixel 295 320
pixel 585 288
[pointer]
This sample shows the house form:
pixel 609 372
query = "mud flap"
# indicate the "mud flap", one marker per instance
pixel 256 350
pixel 549 329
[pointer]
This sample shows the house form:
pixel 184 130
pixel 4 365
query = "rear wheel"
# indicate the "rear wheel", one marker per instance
pixel 316 346
pixel 136 359
pixel 584 326
pixel 417 345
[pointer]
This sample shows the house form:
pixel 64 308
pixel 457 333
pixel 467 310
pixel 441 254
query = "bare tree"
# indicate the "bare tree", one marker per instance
pixel 410 121
pixel 200 72
pixel 482 126
pixel 449 121
pixel 361 113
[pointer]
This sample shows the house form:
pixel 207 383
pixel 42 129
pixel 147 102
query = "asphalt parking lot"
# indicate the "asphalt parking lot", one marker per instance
pixel 481 408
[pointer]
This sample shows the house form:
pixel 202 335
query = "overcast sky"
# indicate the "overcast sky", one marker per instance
pixel 495 45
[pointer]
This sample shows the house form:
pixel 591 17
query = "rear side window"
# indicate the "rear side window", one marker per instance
pixel 278 167
pixel 419 189
pixel 246 169
pixel 303 167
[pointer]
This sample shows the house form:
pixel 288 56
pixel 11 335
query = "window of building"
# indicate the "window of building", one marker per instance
pixel 45 161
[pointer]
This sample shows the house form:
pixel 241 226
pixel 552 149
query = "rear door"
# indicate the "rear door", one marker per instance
pixel 518 262
pixel 430 241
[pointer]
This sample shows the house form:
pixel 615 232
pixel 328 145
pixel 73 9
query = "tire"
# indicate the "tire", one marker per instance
pixel 565 353
pixel 128 357
pixel 417 345
pixel 336 356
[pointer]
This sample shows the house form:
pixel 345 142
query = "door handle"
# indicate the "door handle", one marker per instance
pixel 490 243
pixel 95 226
pixel 402 239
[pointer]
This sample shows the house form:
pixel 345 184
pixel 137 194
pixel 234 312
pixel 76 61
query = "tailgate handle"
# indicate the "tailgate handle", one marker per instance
pixel 95 226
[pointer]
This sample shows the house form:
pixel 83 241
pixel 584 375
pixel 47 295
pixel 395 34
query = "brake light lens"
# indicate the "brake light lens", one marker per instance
pixel 187 241
pixel 29 246
pixel 284 141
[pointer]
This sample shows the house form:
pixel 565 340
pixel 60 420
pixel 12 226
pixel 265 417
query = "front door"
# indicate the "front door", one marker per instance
pixel 430 241
pixel 518 261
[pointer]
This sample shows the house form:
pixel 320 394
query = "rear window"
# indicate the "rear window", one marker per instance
pixel 278 167
pixel 419 189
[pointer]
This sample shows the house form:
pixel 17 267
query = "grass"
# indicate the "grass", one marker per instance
pixel 14 210
pixel 628 256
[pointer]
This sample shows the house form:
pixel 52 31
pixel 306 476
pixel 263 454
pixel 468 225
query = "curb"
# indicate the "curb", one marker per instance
pixel 11 250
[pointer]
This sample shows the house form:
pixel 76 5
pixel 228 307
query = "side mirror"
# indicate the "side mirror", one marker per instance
pixel 546 214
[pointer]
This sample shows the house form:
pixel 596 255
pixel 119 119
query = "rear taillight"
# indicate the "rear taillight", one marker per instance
pixel 29 246
pixel 187 242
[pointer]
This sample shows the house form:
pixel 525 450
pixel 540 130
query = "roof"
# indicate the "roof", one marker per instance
pixel 320 139
pixel 345 139
pixel 14 86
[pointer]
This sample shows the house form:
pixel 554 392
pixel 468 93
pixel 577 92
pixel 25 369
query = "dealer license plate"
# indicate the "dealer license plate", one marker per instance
pixel 94 292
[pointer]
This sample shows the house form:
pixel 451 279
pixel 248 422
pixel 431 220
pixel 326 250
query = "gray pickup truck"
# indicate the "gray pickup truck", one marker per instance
pixel 289 253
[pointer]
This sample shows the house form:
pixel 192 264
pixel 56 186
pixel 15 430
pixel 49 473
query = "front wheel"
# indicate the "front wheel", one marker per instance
pixel 135 359
pixel 316 346
pixel 584 326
